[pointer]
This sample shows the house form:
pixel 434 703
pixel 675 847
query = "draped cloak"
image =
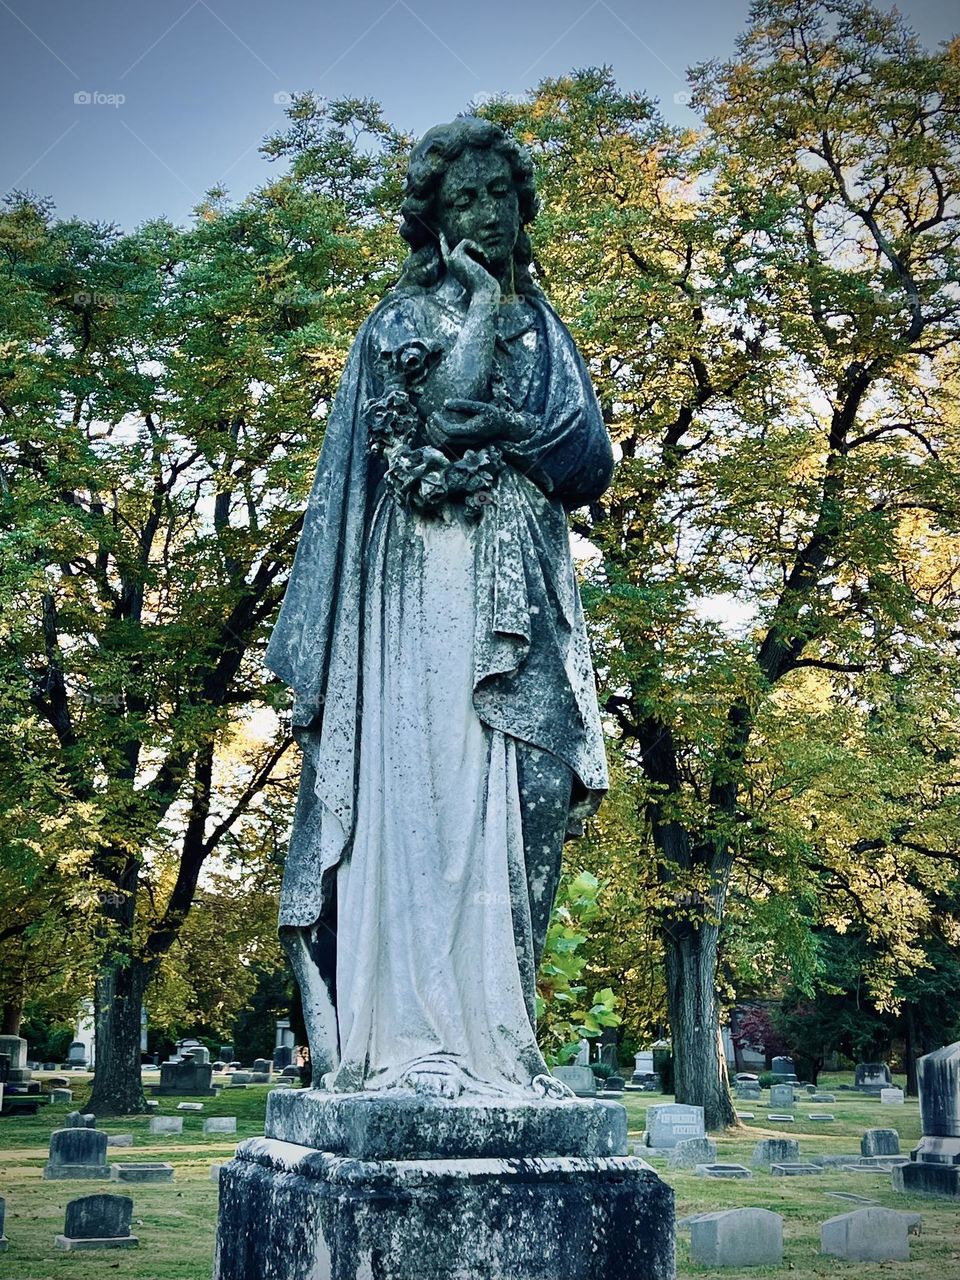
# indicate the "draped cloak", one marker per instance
pixel 532 674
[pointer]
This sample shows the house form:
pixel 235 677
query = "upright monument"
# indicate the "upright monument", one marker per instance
pixel 445 705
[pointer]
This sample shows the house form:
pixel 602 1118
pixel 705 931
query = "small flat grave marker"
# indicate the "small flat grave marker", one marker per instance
pixel 189 1106
pixel 781 1119
pixel 723 1171
pixel 220 1124
pixel 821 1117
pixel 746 1115
pixel 794 1169
pixel 143 1171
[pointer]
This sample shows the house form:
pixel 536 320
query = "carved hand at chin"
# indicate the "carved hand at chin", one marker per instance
pixel 465 424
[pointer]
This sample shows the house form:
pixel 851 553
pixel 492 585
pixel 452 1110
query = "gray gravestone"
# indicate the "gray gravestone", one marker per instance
pixel 866 1235
pixel 672 1123
pixel 871 1077
pixel 892 1097
pixel 3 1239
pixel 880 1142
pixel 98 1222
pixel 737 1238
pixel 747 1092
pixel 75 1120
pixel 220 1124
pixel 580 1079
pixel 119 1139
pixel 185 1077
pixel 794 1169
pixel 781 1095
pixel 61 1095
pixel 691 1152
pixel 784 1067
pixel 723 1171
pixel 774 1150
pixel 143 1171
pixel 822 1097
pixel 77 1153
pixel 166 1124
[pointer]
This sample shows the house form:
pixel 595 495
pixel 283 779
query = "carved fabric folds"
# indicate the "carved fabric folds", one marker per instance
pixel 533 678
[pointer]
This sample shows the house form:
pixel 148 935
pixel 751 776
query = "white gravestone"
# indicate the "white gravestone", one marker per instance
pixel 673 1123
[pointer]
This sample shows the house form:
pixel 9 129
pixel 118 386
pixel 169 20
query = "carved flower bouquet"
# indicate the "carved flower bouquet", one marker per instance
pixel 419 475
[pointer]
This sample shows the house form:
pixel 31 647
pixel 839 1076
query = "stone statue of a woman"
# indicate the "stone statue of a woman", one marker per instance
pixel 433 635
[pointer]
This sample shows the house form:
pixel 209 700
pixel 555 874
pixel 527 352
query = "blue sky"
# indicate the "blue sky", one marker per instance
pixel 182 92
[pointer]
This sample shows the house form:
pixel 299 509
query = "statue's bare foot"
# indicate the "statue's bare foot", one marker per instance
pixel 551 1087
pixel 434 1081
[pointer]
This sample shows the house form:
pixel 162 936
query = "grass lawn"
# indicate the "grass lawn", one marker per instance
pixel 176 1222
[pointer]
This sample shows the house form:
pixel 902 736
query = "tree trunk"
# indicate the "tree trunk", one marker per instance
pixel 910 1056
pixel 700 1069
pixel 117 1087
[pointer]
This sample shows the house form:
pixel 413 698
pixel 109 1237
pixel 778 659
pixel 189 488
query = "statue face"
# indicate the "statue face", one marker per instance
pixel 477 201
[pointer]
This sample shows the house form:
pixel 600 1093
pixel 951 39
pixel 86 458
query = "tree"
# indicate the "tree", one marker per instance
pixel 162 401
pixel 771 316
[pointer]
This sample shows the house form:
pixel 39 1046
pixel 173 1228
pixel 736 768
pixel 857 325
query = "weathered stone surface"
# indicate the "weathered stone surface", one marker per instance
pixel 166 1124
pixel 737 1238
pixel 287 1211
pixel 770 1150
pixel 119 1139
pixel 892 1097
pixel 783 1067
pixel 871 1077
pixel 880 1142
pixel 938 1076
pixel 188 1077
pixel 821 1117
pixel 794 1168
pixel 833 1160
pixel 781 1095
pixel 3 1211
pixel 747 1091
pixel 189 1106
pixel 866 1235
pixel 77 1153
pixel 75 1120
pixel 746 1115
pixel 61 1095
pixel 409 1127
pixel 691 1152
pixel 143 1171
pixel 98 1222
pixel 822 1097
pixel 781 1117
pixel 672 1123
pixel 220 1124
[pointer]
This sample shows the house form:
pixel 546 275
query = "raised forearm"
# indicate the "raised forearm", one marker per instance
pixel 464 372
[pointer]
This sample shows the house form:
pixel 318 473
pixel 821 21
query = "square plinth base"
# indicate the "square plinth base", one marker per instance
pixel 923 1179
pixel 289 1212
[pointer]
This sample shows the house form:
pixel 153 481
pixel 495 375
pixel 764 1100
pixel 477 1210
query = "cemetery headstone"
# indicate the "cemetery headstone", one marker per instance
pixel 166 1124
pixel 61 1095
pixel 189 1106
pixel 98 1222
pixel 226 1053
pixel 774 1150
pixel 3 1239
pixel 822 1097
pixel 871 1077
pixel 820 1117
pixel 737 1238
pixel 892 1097
pixel 723 1171
pixel 143 1171
pixel 934 1167
pixel 119 1139
pixel 794 1169
pixel 15 1048
pixel 691 1152
pixel 77 1153
pixel 291 1072
pixel 220 1124
pixel 784 1067
pixel 781 1117
pixel 781 1095
pixel 580 1079
pixel 77 1056
pixel 672 1123
pixel 76 1120
pixel 747 1092
pixel 866 1235
pixel 185 1077
pixel 880 1142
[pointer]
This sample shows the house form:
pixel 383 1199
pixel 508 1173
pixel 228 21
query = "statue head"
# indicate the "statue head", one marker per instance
pixel 440 151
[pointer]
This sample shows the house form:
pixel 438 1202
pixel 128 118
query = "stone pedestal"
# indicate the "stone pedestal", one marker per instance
pixel 405 1188
pixel 934 1167
pixel 15 1048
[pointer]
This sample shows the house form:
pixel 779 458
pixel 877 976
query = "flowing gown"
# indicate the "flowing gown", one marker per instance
pixel 475 733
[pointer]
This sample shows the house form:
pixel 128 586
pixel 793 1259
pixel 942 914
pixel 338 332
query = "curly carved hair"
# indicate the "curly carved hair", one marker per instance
pixel 428 163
